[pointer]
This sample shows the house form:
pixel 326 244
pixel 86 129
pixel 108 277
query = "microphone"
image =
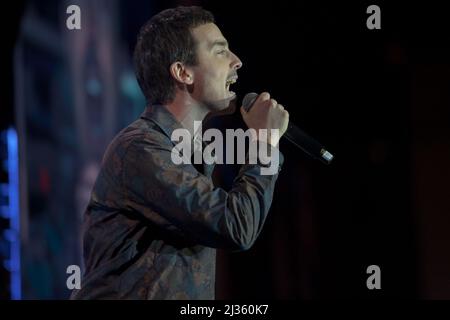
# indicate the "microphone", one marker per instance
pixel 296 136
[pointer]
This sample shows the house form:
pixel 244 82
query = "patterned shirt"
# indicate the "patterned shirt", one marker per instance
pixel 152 227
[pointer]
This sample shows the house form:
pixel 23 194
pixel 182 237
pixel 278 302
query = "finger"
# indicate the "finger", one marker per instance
pixel 265 96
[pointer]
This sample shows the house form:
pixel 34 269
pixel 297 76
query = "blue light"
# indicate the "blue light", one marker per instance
pixel 14 213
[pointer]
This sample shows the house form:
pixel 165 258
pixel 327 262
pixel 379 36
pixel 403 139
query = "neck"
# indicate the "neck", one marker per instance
pixel 186 111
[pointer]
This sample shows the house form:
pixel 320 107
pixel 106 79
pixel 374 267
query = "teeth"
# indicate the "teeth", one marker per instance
pixel 231 81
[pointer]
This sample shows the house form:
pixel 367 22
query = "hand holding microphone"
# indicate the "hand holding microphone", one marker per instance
pixel 266 113
pixel 277 118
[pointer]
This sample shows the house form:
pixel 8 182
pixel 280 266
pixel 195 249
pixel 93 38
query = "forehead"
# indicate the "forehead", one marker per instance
pixel 207 35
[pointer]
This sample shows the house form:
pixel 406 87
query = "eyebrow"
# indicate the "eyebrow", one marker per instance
pixel 222 43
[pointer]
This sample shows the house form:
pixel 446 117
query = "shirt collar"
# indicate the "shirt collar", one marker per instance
pixel 167 122
pixel 162 118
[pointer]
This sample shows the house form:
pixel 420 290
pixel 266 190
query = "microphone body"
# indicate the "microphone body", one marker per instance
pixel 296 136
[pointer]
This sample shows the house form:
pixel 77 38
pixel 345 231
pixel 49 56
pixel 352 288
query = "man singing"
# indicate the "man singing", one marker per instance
pixel 152 227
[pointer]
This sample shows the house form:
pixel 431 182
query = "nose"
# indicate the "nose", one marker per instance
pixel 236 63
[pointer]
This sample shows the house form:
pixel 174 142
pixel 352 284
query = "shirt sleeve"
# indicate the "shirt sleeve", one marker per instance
pixel 182 200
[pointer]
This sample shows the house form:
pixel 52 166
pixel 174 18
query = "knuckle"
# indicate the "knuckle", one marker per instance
pixel 264 96
pixel 273 102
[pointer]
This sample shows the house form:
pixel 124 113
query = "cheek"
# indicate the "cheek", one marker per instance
pixel 213 81
pixel 210 79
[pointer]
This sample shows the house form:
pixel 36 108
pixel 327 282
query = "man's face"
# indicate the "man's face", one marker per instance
pixel 216 69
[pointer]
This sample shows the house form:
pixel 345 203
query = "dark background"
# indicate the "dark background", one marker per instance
pixel 377 99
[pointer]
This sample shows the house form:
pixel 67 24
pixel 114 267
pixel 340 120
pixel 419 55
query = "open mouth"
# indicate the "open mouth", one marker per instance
pixel 230 82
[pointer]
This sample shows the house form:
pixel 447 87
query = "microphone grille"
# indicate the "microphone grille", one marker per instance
pixel 248 100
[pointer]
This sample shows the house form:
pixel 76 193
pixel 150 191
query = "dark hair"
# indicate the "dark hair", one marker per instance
pixel 163 40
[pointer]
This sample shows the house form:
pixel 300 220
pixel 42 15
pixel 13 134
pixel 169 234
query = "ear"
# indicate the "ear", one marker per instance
pixel 181 73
